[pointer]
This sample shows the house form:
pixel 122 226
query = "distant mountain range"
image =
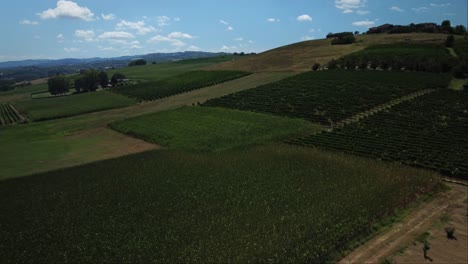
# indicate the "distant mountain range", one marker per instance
pixel 27 70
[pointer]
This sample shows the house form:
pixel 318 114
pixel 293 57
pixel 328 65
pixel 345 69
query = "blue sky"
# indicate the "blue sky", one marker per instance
pixel 103 28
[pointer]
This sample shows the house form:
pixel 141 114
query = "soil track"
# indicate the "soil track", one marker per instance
pixel 420 220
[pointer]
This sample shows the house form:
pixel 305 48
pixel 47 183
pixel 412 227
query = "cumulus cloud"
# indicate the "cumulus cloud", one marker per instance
pixel 396 9
pixel 230 28
pixel 116 35
pixel 348 5
pixel 140 27
pixel 305 38
pixel 70 50
pixel 60 38
pixel 362 12
pixel 85 35
pixel 68 9
pixel 239 39
pixel 173 39
pixel 304 18
pixel 108 17
pixel 272 20
pixel 223 22
pixel 193 48
pixel 163 21
pixel 365 23
pixel 28 22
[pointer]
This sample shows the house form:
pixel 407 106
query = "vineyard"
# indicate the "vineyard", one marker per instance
pixel 414 57
pixel 8 115
pixel 428 132
pixel 330 96
pixel 148 91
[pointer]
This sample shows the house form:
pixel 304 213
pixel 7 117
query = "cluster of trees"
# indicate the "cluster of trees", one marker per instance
pixel 88 81
pixel 342 38
pixel 444 27
pixel 139 62
pixel 6 85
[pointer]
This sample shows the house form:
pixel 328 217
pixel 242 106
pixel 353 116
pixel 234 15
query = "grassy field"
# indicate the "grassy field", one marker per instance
pixel 277 204
pixel 185 82
pixel 66 106
pixel 212 129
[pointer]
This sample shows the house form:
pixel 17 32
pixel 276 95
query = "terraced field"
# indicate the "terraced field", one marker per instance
pixel 428 132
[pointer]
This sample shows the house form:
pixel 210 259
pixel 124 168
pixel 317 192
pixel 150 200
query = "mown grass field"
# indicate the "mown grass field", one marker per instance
pixel 66 106
pixel 277 204
pixel 212 129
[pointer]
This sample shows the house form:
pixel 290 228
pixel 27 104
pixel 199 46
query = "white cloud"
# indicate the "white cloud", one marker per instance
pixel 365 23
pixel 348 11
pixel 273 20
pixel 180 35
pixel 68 9
pixel 305 38
pixel 251 42
pixel 70 50
pixel 140 27
pixel 85 35
pixel 28 22
pixel 193 48
pixel 176 19
pixel 349 5
pixel 173 39
pixel 362 12
pixel 60 38
pixel 108 17
pixel 440 5
pixel 396 9
pixel 225 48
pixel 239 39
pixel 420 9
pixel 116 35
pixel 304 18
pixel 230 28
pixel 163 21
pixel 223 22
pixel 135 45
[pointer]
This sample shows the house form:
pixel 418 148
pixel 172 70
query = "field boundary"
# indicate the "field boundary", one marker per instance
pixel 358 117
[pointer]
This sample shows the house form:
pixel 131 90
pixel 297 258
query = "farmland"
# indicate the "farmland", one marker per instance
pixel 66 106
pixel 278 203
pixel 331 96
pixel 211 129
pixel 8 115
pixel 186 82
pixel 428 132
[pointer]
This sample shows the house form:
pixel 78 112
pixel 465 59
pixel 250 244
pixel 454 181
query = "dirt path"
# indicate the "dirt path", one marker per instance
pixel 416 223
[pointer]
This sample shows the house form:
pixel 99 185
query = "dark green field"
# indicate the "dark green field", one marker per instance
pixel 186 82
pixel 212 129
pixel 277 204
pixel 330 96
pixel 66 106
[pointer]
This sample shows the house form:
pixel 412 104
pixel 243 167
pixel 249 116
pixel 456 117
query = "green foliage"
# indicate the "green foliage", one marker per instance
pixel 344 39
pixel 58 85
pixel 450 41
pixel 116 77
pixel 413 57
pixel 6 85
pixel 427 132
pixel 186 82
pixel 211 129
pixel 8 115
pixel 316 66
pixel 52 108
pixel 89 81
pixel 327 97
pixel 278 204
pixel 139 62
pixel 103 79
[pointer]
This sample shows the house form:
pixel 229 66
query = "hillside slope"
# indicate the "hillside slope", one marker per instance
pixel 301 56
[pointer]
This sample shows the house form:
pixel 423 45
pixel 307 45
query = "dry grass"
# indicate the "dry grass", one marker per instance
pixel 301 56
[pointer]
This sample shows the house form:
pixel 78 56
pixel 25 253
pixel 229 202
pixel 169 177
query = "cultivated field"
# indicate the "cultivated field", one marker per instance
pixel 8 115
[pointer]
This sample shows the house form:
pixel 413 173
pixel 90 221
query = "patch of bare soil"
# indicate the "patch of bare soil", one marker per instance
pixel 424 217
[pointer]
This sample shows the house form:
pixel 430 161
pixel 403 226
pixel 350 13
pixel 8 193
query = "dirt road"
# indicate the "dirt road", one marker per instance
pixel 420 220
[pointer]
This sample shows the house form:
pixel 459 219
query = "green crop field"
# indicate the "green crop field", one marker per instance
pixel 66 106
pixel 8 115
pixel 461 47
pixel 211 129
pixel 329 96
pixel 428 132
pixel 186 82
pixel 280 204
pixel 416 57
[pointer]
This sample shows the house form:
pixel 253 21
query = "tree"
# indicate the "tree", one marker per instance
pixel 449 41
pixel 103 79
pixel 58 85
pixel 116 77
pixel 446 26
pixel 460 30
pixel 316 66
pixel 88 81
pixel 356 32
pixel 139 62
